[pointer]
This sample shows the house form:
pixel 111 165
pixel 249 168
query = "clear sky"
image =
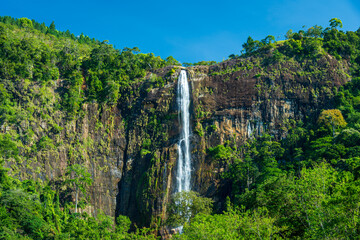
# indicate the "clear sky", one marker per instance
pixel 190 31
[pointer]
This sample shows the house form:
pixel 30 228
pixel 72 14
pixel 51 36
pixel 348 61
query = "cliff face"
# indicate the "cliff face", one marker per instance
pixel 131 149
pixel 241 99
pixel 96 139
pixel 234 100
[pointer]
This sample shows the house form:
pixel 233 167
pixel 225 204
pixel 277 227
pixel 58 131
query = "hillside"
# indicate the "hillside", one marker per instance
pixel 89 135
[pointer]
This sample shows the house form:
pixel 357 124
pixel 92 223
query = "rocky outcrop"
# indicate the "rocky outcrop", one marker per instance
pixel 244 98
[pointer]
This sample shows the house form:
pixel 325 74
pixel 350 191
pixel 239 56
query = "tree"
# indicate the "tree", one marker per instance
pixel 25 208
pixel 335 23
pixel 79 179
pixel 289 34
pixel 315 31
pixel 251 45
pixel 222 153
pixel 8 148
pixel 268 39
pixel 186 205
pixel 52 26
pixel 266 154
pixel 242 171
pixel 233 56
pixel 26 23
pixel 172 61
pixel 234 224
pixel 333 119
pixel 327 202
pixel 112 92
pixel 324 148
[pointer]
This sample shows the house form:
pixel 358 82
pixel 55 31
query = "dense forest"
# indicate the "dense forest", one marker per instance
pixel 303 186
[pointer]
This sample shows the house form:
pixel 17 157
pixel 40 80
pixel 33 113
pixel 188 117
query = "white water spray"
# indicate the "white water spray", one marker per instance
pixel 183 175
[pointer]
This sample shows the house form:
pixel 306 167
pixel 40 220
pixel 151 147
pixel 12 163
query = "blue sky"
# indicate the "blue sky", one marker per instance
pixel 190 31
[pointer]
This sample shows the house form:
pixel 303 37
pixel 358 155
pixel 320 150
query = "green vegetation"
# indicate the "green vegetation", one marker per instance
pixel 78 178
pixel 32 210
pixel 234 224
pixel 201 63
pixel 312 43
pixel 305 186
pixel 51 29
pixel 89 70
pixel 47 80
pixel 184 206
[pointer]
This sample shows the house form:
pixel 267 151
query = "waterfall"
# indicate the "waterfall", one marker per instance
pixel 183 175
pixel 183 171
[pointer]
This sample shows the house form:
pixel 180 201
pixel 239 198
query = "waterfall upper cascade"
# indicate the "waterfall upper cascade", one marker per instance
pixel 183 175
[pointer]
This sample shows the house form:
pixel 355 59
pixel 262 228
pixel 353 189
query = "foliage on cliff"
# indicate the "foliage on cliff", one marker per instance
pixel 32 210
pixel 308 44
pixel 47 80
pixel 88 71
pixel 303 186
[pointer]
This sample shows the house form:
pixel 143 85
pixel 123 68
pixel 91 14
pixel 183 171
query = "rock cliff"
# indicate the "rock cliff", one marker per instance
pixel 234 100
pixel 130 149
